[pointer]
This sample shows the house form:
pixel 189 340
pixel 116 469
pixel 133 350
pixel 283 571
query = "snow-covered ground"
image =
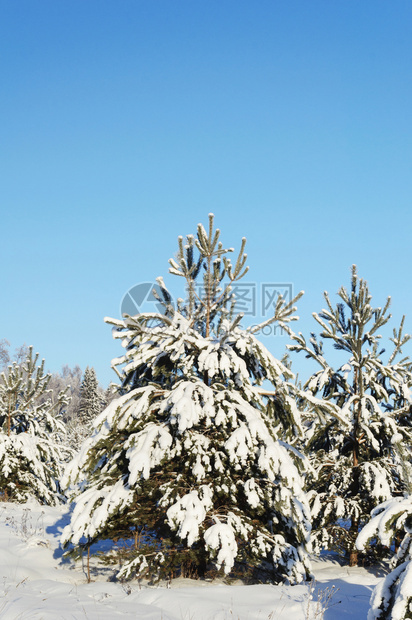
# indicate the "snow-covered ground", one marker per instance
pixel 38 584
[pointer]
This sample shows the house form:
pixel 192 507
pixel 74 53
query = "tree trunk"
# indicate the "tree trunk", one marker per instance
pixel 353 558
pixel 353 552
pixel 354 528
pixel 88 564
pixel 8 418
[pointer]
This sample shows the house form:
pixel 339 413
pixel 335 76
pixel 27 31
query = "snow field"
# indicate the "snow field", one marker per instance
pixel 37 584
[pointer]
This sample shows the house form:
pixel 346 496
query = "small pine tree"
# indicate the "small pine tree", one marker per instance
pixel 392 597
pixel 90 404
pixel 109 394
pixel 187 461
pixel 30 455
pixel 357 426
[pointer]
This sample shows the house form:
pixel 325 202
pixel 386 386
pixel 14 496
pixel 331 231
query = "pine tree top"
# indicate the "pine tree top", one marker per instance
pixel 207 320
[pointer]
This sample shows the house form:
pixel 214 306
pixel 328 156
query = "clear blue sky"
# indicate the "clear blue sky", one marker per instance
pixel 125 123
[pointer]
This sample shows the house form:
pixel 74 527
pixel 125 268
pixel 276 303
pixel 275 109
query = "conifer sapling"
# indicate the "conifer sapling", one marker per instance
pixel 187 462
pixel 358 417
pixel 31 432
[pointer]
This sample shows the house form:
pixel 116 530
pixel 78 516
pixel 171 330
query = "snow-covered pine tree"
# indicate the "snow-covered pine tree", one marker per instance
pixel 186 460
pixel 359 416
pixel 30 455
pixel 109 394
pixel 392 597
pixel 90 404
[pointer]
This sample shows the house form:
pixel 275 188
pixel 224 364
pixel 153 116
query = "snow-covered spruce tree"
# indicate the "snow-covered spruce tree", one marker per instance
pixel 30 455
pixel 109 394
pixel 359 417
pixel 186 461
pixel 392 597
pixel 90 404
